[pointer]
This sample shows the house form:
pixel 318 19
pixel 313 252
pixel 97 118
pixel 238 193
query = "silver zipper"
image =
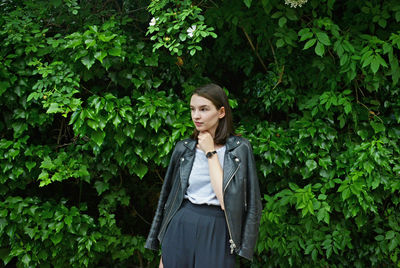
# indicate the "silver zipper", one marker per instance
pixel 245 195
pixel 231 242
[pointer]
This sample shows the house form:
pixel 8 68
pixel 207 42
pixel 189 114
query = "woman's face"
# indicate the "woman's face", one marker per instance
pixel 205 115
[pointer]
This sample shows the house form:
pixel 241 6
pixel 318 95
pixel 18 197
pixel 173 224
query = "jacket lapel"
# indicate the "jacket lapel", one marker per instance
pixel 186 162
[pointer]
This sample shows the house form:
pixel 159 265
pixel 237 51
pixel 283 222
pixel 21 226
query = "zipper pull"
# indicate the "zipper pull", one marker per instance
pixel 233 246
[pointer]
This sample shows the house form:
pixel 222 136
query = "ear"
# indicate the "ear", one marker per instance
pixel 221 112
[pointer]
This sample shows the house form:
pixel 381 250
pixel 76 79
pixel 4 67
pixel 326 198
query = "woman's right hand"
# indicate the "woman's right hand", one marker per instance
pixel 161 264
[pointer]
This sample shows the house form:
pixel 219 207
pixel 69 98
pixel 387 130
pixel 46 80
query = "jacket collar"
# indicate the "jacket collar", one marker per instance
pixel 231 143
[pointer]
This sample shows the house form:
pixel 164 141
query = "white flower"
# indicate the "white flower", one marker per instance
pixel 191 30
pixel 153 21
pixel 295 3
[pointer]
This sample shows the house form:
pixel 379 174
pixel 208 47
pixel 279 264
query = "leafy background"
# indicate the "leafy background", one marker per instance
pixel 93 99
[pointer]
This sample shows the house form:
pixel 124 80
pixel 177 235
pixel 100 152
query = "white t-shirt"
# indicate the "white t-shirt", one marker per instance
pixel 200 190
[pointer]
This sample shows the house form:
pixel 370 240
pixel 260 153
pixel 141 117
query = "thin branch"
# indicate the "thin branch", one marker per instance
pixel 61 130
pixel 140 216
pixel 64 145
pixel 140 258
pixel 117 5
pixel 138 9
pixel 280 77
pixel 273 52
pixel 362 104
pixel 370 111
pixel 159 176
pixel 254 49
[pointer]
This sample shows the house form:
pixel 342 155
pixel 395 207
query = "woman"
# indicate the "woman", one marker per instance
pixel 209 207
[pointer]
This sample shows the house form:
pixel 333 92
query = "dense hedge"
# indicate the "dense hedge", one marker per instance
pixel 94 95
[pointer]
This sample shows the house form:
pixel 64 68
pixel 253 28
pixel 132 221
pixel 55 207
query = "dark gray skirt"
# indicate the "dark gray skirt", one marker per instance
pixel 197 237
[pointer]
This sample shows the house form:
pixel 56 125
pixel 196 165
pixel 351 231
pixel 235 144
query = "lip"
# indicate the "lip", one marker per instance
pixel 198 124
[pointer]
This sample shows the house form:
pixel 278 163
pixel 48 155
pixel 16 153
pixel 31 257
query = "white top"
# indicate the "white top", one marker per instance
pixel 200 190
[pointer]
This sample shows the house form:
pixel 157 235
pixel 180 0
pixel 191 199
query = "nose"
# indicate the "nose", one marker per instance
pixel 195 114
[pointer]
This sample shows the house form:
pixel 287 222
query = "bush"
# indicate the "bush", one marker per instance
pixel 94 95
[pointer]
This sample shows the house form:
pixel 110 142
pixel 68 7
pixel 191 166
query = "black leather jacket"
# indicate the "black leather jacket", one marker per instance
pixel 240 191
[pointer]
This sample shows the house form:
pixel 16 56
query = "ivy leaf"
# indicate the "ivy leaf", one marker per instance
pixel 68 220
pixel 88 61
pixel 100 55
pixel 3 86
pixel 29 165
pixel 98 137
pixel 101 187
pixel 26 259
pixel 140 170
pixel 56 238
pixel 115 51
pixel 47 163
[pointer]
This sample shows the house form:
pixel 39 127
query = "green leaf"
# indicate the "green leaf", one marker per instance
pixel 346 193
pixel 29 165
pixel 88 61
pixel 98 137
pixel 115 51
pixel 390 235
pixel 54 108
pixel 311 165
pixel 182 36
pixel 68 220
pixel 117 120
pixel 100 55
pixel 377 126
pixel 3 87
pixel 26 259
pixel 140 170
pixel 47 163
pixel 375 65
pixel 89 43
pixel 247 3
pixel 310 43
pixel 106 38
pixel 56 238
pixel 363 134
pixel 319 49
pixel 323 38
pixel 101 187
pixel 280 43
pixel 282 21
pixel 393 244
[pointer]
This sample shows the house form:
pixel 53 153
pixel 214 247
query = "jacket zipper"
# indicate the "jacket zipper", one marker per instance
pixel 168 218
pixel 231 242
pixel 245 195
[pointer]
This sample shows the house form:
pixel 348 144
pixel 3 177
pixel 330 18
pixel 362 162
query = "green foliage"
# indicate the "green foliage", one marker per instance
pixel 93 99
pixel 178 27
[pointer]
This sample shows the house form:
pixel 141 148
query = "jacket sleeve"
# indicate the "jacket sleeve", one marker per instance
pixel 254 209
pixel 152 241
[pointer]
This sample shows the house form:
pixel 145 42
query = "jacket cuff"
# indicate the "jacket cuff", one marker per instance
pixel 152 244
pixel 246 253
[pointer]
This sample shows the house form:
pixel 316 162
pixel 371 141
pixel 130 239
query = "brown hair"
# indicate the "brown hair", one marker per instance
pixel 217 96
